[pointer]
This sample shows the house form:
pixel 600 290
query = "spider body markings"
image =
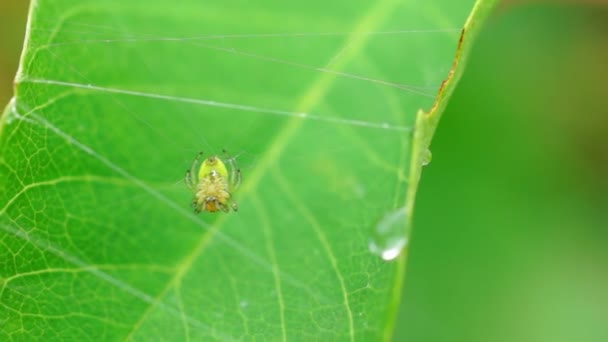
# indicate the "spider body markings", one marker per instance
pixel 213 184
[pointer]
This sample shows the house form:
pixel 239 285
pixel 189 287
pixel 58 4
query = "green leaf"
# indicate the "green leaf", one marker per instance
pixel 318 103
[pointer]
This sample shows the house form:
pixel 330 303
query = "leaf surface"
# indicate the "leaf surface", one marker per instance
pixel 318 104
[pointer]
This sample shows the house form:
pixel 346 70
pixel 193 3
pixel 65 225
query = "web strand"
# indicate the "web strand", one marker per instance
pixel 211 103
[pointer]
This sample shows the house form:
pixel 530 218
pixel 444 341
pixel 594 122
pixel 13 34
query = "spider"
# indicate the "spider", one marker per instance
pixel 213 186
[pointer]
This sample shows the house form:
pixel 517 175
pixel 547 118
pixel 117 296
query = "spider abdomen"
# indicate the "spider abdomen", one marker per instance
pixel 213 186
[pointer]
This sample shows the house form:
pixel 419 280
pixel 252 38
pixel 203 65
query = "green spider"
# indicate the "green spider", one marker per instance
pixel 214 185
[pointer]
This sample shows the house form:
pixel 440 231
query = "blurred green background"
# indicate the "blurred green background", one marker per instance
pixel 511 229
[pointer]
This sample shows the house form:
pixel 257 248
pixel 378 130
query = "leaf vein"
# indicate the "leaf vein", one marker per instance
pixel 305 212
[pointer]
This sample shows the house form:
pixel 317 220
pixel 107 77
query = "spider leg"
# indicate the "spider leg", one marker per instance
pixel 235 174
pixel 235 179
pixel 191 172
pixel 194 167
pixel 188 180
pixel 223 206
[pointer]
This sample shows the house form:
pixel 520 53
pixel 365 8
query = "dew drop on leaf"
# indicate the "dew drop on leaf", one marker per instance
pixel 427 157
pixel 390 235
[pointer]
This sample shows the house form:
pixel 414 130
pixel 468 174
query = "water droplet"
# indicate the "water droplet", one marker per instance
pixel 427 156
pixel 244 304
pixel 390 235
pixel 389 252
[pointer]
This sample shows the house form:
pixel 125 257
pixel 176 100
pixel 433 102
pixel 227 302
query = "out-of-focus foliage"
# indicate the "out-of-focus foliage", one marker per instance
pixel 511 231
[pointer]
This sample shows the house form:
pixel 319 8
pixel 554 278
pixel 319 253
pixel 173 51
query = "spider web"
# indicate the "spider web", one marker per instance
pixel 114 100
